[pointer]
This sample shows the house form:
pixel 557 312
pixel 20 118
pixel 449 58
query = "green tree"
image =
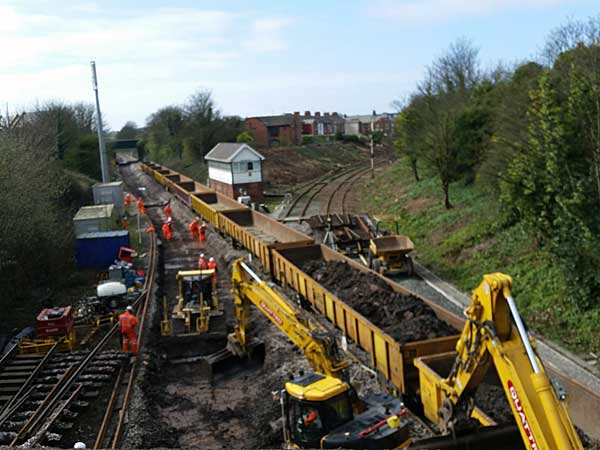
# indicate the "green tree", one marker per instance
pixel 128 131
pixel 85 158
pixel 551 183
pixel 165 133
pixel 245 137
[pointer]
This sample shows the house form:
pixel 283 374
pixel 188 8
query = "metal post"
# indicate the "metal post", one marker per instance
pixel 139 233
pixel 372 164
pixel 102 148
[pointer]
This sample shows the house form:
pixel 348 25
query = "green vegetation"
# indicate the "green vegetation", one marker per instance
pixel 515 155
pixel 188 132
pixel 333 154
pixel 39 198
pixel 471 239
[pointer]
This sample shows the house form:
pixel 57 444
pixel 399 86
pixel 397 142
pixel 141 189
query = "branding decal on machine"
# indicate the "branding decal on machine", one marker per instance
pixel 271 313
pixel 522 416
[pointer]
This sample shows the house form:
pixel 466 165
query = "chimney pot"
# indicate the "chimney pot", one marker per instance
pixel 317 114
pixel 296 113
pixel 334 114
pixel 326 114
pixel 306 113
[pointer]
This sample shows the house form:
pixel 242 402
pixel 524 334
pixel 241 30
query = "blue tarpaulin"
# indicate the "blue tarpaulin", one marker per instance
pixel 98 250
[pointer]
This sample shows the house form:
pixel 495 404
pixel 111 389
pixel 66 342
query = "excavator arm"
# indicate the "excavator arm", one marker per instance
pixel 495 334
pixel 319 348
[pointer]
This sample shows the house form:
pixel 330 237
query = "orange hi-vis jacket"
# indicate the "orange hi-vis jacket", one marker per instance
pixel 202 264
pixel 127 322
pixel 168 210
pixel 194 229
pixel 166 229
pixel 127 200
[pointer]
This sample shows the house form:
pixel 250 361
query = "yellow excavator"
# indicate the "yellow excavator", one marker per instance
pixel 320 409
pixel 495 334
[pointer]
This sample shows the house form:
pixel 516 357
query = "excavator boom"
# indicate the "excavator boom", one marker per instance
pixel 494 334
pixel 319 348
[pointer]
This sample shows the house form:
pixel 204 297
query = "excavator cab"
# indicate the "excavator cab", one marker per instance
pixel 316 405
pixel 322 412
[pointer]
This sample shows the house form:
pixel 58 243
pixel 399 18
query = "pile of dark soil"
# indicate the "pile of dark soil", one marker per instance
pixel 404 317
pixel 492 400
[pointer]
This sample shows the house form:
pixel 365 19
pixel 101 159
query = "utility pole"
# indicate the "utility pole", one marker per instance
pixel 372 163
pixel 102 148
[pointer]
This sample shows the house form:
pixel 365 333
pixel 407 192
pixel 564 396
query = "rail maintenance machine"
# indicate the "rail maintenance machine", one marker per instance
pixel 196 304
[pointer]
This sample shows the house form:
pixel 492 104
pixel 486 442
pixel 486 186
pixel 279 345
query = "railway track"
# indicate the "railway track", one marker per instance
pixel 284 262
pixel 301 202
pixel 112 427
pixel 42 397
pixel 329 194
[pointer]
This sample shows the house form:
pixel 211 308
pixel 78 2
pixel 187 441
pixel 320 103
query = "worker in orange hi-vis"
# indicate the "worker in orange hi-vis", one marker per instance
pixel 213 265
pixel 202 234
pixel 202 265
pixel 140 207
pixel 167 233
pixel 168 210
pixel 127 200
pixel 194 229
pixel 127 323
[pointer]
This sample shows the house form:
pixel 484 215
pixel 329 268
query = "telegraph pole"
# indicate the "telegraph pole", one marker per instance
pixel 372 156
pixel 102 148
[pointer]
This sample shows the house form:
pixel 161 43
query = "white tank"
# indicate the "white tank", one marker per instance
pixel 110 289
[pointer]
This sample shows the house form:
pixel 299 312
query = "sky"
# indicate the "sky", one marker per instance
pixel 257 57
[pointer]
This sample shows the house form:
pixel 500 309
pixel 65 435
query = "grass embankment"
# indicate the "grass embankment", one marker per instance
pixel 469 240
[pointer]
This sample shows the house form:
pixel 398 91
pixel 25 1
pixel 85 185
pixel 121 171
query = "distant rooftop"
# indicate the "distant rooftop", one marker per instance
pixel 226 151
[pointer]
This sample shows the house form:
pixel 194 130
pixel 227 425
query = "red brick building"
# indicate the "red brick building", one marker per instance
pixel 268 131
pixel 235 169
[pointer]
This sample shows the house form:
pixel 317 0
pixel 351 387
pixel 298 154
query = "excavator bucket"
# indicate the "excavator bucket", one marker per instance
pixel 225 363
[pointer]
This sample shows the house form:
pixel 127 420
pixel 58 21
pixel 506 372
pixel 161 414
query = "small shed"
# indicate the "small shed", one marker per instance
pixel 99 250
pixel 109 194
pixel 235 169
pixel 90 219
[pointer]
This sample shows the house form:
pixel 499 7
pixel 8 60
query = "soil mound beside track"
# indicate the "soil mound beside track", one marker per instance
pixel 404 317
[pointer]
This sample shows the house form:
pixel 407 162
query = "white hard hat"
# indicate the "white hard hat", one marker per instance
pixel 169 219
pixel 129 308
pixel 79 445
pixel 211 259
pixel 201 255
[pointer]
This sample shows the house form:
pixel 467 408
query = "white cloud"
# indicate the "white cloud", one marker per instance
pixel 416 11
pixel 143 59
pixel 266 36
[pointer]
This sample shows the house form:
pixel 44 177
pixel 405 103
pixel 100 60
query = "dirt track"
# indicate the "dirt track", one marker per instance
pixel 175 406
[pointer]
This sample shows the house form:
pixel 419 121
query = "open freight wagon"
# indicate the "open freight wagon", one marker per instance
pixel 209 204
pixel 393 360
pixel 260 234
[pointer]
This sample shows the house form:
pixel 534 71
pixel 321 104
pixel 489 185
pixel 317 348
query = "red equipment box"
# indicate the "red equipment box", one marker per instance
pixel 54 322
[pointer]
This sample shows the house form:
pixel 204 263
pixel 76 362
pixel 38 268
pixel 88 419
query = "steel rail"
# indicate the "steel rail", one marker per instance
pixel 29 379
pixel 42 410
pixel 133 372
pixel 109 412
